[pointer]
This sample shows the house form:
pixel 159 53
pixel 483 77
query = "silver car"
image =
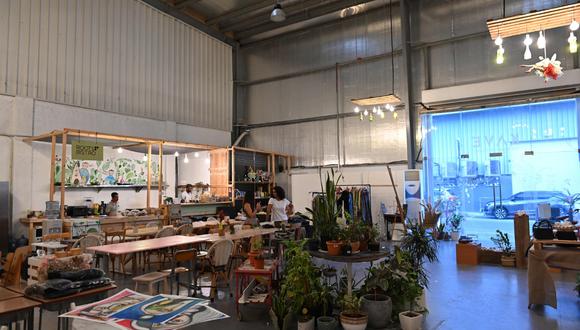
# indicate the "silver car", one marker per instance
pixel 527 201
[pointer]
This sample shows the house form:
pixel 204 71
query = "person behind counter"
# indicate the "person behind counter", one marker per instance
pixel 278 206
pixel 249 210
pixel 187 195
pixel 113 206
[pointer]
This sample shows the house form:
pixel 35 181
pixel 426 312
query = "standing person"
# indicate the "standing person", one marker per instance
pixel 278 206
pixel 187 195
pixel 250 208
pixel 113 206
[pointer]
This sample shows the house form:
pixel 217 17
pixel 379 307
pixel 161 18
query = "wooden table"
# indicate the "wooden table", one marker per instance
pixel 241 234
pixel 539 243
pixel 61 305
pixel 244 274
pixel 18 309
pixel 367 256
pixel 6 294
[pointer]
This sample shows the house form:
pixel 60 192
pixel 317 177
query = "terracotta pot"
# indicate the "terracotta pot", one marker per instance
pixel 355 246
pixel 508 261
pixel 357 321
pixel 252 256
pixel 259 263
pixel 334 248
pixel 364 246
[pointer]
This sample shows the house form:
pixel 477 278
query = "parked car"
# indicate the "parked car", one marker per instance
pixel 527 201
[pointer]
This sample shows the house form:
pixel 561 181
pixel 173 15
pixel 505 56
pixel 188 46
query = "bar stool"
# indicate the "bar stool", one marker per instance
pixel 150 279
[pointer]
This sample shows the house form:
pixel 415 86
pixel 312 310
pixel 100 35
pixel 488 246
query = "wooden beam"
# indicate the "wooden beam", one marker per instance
pixel 160 177
pixel 184 3
pixel 148 177
pixel 52 166
pixel 42 136
pixel 534 21
pixel 62 174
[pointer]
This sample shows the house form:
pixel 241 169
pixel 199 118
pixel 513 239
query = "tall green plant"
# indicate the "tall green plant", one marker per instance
pixel 421 247
pixel 301 282
pixel 325 211
pixel 502 241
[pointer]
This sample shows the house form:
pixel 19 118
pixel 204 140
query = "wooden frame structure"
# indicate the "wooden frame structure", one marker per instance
pixel 62 137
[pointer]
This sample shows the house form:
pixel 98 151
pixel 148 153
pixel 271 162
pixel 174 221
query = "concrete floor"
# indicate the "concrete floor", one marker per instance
pixel 460 297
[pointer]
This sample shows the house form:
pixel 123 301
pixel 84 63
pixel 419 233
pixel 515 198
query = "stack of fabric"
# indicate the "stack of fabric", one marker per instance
pixel 62 284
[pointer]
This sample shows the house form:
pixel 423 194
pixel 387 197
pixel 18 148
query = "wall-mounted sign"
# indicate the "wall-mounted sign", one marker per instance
pixel 84 150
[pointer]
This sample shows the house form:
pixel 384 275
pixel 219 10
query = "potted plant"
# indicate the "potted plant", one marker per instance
pixel 420 247
pixel 570 200
pixel 255 249
pixel 455 222
pixel 259 262
pixel 502 242
pixel 439 232
pixel 351 317
pixel 411 320
pixel 374 244
pixel 305 321
pixel 280 311
pixel 326 321
pixel 375 302
pixel 431 214
pixel 325 212
pixel 334 247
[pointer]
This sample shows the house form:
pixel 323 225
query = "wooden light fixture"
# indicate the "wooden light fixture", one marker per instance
pixel 533 22
pixel 377 100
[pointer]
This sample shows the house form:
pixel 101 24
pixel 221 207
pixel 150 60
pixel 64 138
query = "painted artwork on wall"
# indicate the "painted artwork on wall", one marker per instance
pixel 119 171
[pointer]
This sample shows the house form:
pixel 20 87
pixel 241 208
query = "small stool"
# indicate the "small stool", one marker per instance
pixel 152 278
pixel 330 273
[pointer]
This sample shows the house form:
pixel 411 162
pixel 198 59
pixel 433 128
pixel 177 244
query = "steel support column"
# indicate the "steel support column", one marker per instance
pixel 408 81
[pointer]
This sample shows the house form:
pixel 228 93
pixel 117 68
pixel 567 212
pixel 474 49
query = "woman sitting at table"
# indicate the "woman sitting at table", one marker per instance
pixel 279 208
pixel 248 209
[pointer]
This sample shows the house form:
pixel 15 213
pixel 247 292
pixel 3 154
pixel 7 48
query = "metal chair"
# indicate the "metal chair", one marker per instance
pixel 183 262
pixel 113 237
pixel 186 229
pixel 89 241
pixel 166 253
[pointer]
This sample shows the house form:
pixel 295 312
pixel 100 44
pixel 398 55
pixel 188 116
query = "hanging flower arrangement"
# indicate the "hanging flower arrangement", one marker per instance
pixel 547 68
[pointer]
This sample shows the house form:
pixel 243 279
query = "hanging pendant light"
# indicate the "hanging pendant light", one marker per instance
pixel 528 42
pixel 366 113
pixel 196 154
pixel 361 117
pixel 186 160
pixel 499 40
pixel 119 150
pixel 574 25
pixel 176 154
pixel 541 41
pixel 356 109
pixel 144 158
pixel 278 15
pixel 572 43
pixel 499 55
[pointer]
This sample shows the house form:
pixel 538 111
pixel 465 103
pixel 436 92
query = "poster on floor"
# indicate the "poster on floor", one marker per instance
pixel 101 311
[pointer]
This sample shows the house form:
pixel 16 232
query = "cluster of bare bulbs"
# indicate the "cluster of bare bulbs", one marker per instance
pixel 375 111
pixel 541 43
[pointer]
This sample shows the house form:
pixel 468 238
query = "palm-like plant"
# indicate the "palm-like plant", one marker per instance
pixel 570 199
pixel 325 211
pixel 421 247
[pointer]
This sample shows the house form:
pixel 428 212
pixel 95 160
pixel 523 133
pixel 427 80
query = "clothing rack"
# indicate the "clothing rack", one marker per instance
pixel 367 186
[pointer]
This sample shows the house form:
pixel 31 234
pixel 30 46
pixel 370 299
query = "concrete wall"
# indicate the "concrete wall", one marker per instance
pixel 27 166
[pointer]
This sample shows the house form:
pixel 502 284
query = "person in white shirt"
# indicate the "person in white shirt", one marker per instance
pixel 187 195
pixel 113 207
pixel 279 208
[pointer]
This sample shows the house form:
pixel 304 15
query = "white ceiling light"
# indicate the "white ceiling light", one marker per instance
pixel 196 154
pixel 177 154
pixel 574 25
pixel 277 15
pixel 144 158
pixel 186 160
pixel 541 43
pixel 528 53
pixel 120 150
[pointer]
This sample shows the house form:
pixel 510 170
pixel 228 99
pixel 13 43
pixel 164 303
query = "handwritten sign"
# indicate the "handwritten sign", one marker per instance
pixel 84 150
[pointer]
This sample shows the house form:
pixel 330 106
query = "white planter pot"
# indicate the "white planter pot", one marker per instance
pixel 455 235
pixel 350 322
pixel 308 325
pixel 421 302
pixel 411 322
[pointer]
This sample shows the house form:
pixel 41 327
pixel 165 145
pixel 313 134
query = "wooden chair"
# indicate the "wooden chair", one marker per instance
pixel 164 253
pixel 89 241
pixel 56 237
pixel 183 262
pixel 151 279
pixel 13 270
pixel 114 237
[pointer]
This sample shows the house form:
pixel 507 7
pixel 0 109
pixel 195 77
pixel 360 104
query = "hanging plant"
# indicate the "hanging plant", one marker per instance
pixel 547 68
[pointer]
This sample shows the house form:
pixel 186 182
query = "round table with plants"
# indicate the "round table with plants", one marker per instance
pixel 367 256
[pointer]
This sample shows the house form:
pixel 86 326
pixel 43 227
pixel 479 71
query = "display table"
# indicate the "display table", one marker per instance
pixel 18 309
pixel 541 288
pixel 467 253
pixel 244 285
pixel 367 256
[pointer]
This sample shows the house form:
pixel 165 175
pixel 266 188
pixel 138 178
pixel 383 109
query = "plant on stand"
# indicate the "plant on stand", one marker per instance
pixel 325 212
pixel 570 200
pixel 351 317
pixel 502 242
pixel 256 246
pixel 326 321
pixel 431 214
pixel 420 247
pixel 455 222
pixel 373 237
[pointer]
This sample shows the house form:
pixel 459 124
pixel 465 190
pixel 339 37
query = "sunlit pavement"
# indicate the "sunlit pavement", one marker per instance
pixel 484 227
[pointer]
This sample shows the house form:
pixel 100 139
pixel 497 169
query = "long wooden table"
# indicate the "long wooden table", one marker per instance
pixel 169 242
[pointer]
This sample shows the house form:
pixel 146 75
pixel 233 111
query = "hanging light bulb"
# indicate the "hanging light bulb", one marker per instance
pixel 498 40
pixel 541 43
pixel 572 42
pixel 574 25
pixel 528 53
pixel 196 154
pixel 361 117
pixel 371 117
pixel 395 115
pixel 120 150
pixel 382 114
pixel 177 154
pixel 391 108
pixel 356 110
pixel 144 158
pixel 499 55
pixel 186 160
pixel 366 113
pixel 374 109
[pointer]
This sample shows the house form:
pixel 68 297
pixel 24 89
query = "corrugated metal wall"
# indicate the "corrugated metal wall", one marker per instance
pixel 115 55
pixel 441 56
